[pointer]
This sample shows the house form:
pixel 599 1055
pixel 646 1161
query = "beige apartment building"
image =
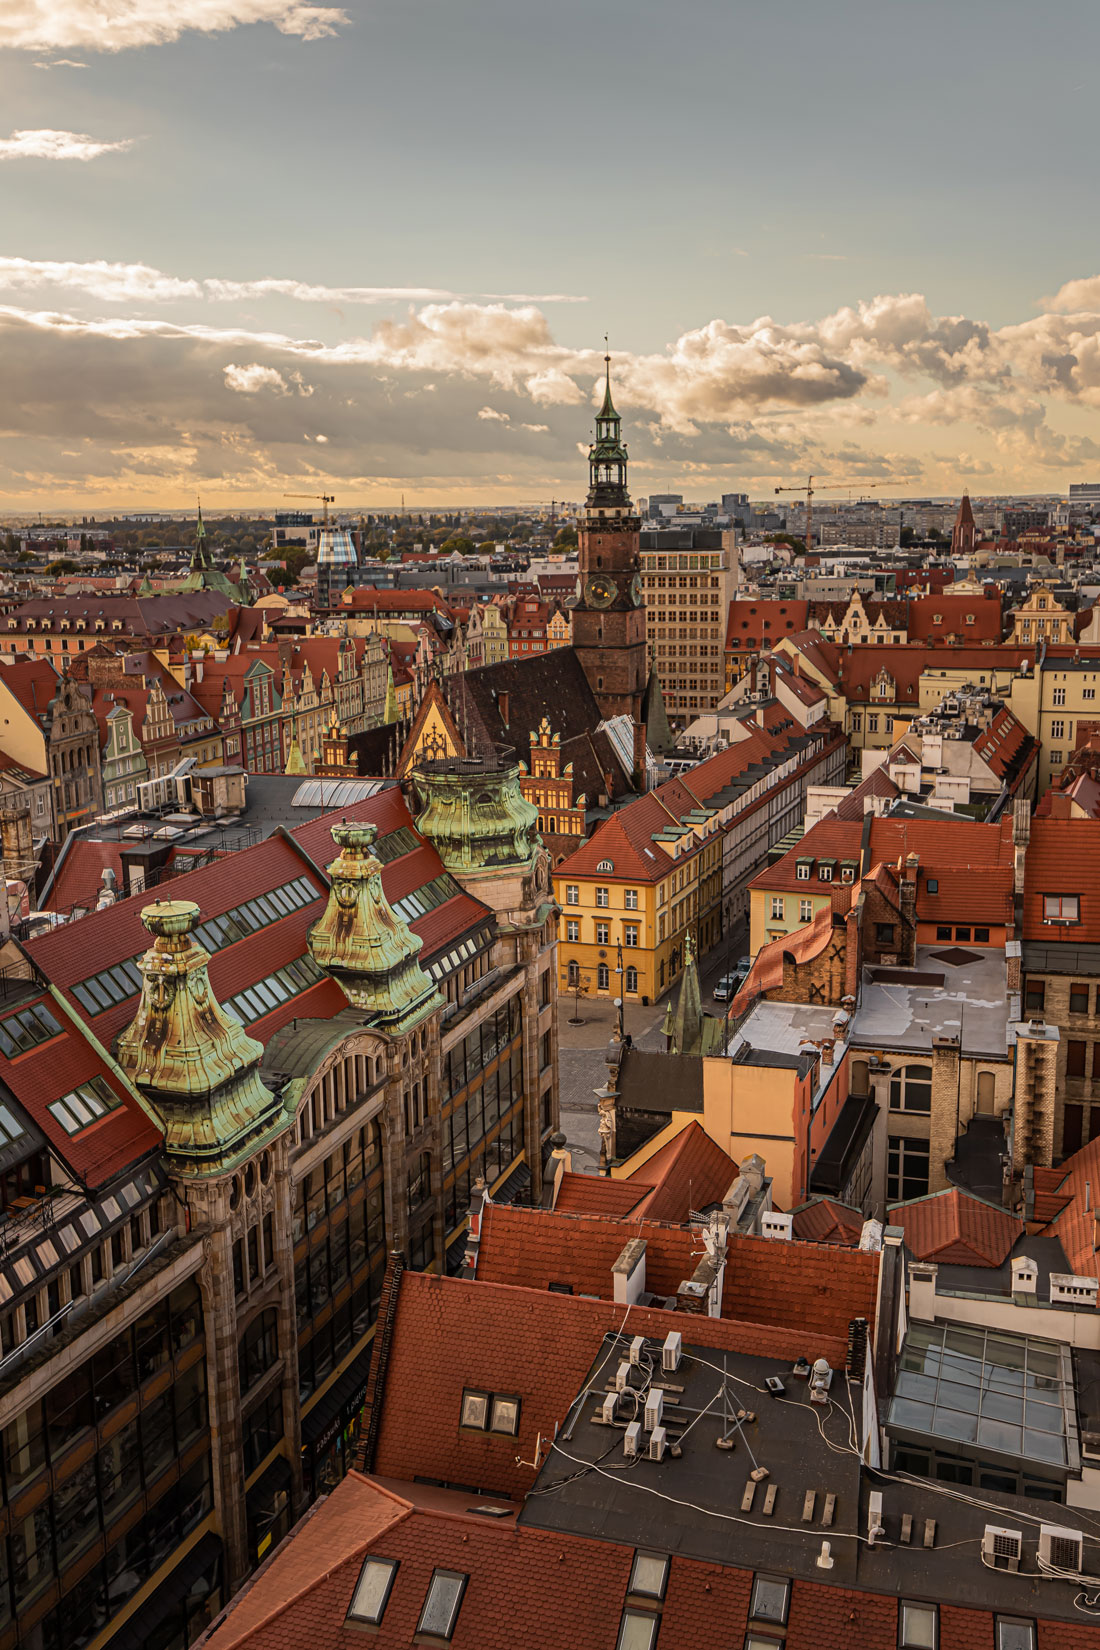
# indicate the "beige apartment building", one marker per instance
pixel 688 577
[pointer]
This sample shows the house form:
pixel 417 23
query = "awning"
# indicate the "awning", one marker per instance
pixel 336 1407
pixel 847 1138
pixel 135 1633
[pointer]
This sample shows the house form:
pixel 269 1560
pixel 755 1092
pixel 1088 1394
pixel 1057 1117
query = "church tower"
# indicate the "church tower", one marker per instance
pixel 964 533
pixel 609 619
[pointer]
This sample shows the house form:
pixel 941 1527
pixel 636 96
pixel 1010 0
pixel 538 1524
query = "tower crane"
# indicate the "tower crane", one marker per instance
pixel 809 489
pixel 325 498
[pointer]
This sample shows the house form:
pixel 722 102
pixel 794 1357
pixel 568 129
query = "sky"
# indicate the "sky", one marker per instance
pixel 257 247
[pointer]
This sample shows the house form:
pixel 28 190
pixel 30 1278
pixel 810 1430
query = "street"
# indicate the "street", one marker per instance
pixel 582 1047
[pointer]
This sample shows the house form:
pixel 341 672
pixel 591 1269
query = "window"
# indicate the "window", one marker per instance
pixel 280 987
pixel 572 894
pixel 648 1576
pixel 884 934
pixel 573 931
pixel 918 1626
pixel 442 1604
pixel 27 1029
pixel 1078 998
pixel 574 973
pixel 962 933
pixel 84 1105
pixel 1061 908
pixel 632 983
pixel 802 870
pixel 771 1597
pixel 1057 730
pixel 805 910
pixel 372 1591
pixel 911 1089
pixel 603 933
pixel 603 978
pixel 981 936
pixel 637 1630
pixel 258 1348
pixel 825 873
pixel 906 1169
pixel 630 934
pixel 778 907
pixel 933 885
pixel 1014 1633
pixel 1035 996
pixel 1075 1059
pixel 601 897
pixel 1059 695
pixel 630 899
pixel 943 933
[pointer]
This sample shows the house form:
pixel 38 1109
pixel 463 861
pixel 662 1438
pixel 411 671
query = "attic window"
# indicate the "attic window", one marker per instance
pixel 84 1105
pixel 933 885
pixel 372 1591
pixel 802 870
pixel 440 1613
pixel 825 870
pixel 490 1412
pixel 1061 908
pixel 648 1575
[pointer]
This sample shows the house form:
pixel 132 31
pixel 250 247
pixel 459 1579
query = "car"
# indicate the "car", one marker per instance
pixel 727 987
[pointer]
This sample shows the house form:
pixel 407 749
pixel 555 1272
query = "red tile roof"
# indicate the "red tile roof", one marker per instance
pixel 825 1220
pixel 1076 1224
pixel 687 1175
pixel 788 1285
pixel 595 1194
pixel 33 682
pixel 935 618
pixel 756 624
pixel 955 1227
pixel 1063 857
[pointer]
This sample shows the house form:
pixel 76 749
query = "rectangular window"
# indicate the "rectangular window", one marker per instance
pixel 602 933
pixel 87 1102
pixel 372 1591
pixel 630 899
pixel 1014 1633
pixel 572 894
pixel 637 1630
pixel 907 1169
pixel 1078 998
pixel 1035 996
pixel 439 1615
pixel 918 1626
pixel 943 933
pixel 805 910
pixel 962 933
pixel 573 931
pixel 771 1598
pixel 1061 908
pixel 630 933
pixel 778 907
pixel 601 897
pixel 981 936
pixel 1075 1059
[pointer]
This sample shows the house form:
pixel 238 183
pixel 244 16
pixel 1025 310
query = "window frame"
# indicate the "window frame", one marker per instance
pixel 648 1555
pixel 767 1580
pixel 915 1604
pixel 1000 1621
pixel 631 1613
pixel 448 1633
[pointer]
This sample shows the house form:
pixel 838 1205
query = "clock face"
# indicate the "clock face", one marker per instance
pixel 599 590
pixel 636 590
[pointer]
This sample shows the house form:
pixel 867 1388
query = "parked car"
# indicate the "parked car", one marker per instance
pixel 727 987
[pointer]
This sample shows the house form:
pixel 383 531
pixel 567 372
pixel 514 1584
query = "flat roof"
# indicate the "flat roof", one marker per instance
pixel 972 1004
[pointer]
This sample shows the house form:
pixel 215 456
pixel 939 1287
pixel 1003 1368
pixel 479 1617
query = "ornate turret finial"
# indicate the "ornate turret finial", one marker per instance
pixel 607 455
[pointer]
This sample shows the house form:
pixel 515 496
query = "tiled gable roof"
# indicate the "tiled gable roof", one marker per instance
pixel 954 1227
pixel 1075 1225
pixel 1063 857
pixel 826 1220
pixel 596 1194
pixel 760 623
pixel 687 1174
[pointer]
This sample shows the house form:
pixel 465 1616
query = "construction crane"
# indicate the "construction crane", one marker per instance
pixel 810 490
pixel 325 498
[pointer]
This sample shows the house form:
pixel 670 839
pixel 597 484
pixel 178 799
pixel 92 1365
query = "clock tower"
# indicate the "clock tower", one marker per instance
pixel 609 619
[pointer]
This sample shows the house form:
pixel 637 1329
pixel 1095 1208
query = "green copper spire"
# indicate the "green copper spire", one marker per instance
pixel 475 814
pixel 197 1067
pixel 607 411
pixel 360 940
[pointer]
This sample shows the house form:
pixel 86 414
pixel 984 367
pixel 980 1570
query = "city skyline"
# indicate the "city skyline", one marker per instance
pixel 273 246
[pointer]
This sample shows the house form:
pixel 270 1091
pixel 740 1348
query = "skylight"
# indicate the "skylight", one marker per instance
pixel 441 1606
pixel 372 1591
pixel 27 1029
pixel 85 1104
pixel 10 1127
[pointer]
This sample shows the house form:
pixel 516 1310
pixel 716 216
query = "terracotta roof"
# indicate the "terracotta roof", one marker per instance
pixel 33 682
pixel 687 1174
pixel 1063 857
pixel 1076 1224
pixel 826 1220
pixel 755 624
pixel 1001 743
pixel 595 1194
pixel 877 784
pixel 766 973
pixel 956 1228
pixel 934 618
pixel 1052 1193
pixel 787 1285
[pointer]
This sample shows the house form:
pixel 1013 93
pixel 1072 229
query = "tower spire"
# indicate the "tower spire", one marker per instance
pixel 607 456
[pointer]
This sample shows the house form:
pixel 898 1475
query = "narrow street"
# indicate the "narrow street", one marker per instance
pixel 583 1047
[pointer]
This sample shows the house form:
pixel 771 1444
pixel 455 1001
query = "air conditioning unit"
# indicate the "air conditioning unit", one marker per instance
pixel 1060 1549
pixel 622 1377
pixel 671 1351
pixel 609 1407
pixel 637 1347
pixel 654 1410
pixel 658 1441
pixel 632 1438
pixel 1003 1549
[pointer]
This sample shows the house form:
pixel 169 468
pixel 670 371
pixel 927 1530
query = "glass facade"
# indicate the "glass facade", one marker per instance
pixel 105 1477
pixel 482 1107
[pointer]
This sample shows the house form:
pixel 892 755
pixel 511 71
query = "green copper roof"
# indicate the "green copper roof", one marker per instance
pixel 608 408
pixel 196 1065
pixel 361 941
pixel 475 814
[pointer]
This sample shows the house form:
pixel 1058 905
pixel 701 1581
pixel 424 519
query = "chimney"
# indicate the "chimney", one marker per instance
pixel 1025 1281
pixel 628 1273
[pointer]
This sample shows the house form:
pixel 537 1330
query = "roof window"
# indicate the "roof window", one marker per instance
pixel 771 1598
pixel 648 1575
pixel 10 1128
pixel 372 1591
pixel 490 1412
pixel 442 1604
pixel 86 1104
pixel 637 1630
pixel 27 1029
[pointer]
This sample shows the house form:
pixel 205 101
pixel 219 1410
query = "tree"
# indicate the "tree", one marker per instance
pixel 566 539
pixel 487 548
pixel 907 537
pixel 580 988
pixel 293 562
pixel 457 546
pixel 24 556
pixel 62 565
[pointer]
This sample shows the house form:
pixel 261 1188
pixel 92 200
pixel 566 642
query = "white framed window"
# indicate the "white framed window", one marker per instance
pixel 802 870
pixel 648 1575
pixel 1061 908
pixel 630 899
pixel 572 894
pixel 779 906
pixel 603 977
pixel 1014 1633
pixel 630 933
pixel 918 1626
pixel 805 910
pixel 637 1630
pixel 601 897
pixel 372 1591
pixel 632 979
pixel 573 931
pixel 603 933
pixel 1058 697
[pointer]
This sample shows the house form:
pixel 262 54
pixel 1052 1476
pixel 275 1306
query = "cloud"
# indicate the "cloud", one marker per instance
pixel 120 25
pixel 490 412
pixel 121 283
pixel 1075 295
pixel 252 379
pixel 48 144
pixel 61 63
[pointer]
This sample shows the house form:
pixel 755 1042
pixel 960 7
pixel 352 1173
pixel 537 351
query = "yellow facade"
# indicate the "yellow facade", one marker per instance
pixel 752 1109
pixel 651 919
pixel 773 914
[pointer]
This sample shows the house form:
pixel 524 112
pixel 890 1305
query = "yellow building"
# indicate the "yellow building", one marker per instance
pixel 559 628
pixel 645 881
pixel 1040 617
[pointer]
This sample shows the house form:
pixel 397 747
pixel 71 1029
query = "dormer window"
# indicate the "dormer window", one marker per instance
pixel 847 873
pixel 802 870
pixel 825 870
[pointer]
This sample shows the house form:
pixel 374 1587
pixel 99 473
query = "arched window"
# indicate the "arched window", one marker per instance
pixel 911 1089
pixel 632 979
pixel 603 977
